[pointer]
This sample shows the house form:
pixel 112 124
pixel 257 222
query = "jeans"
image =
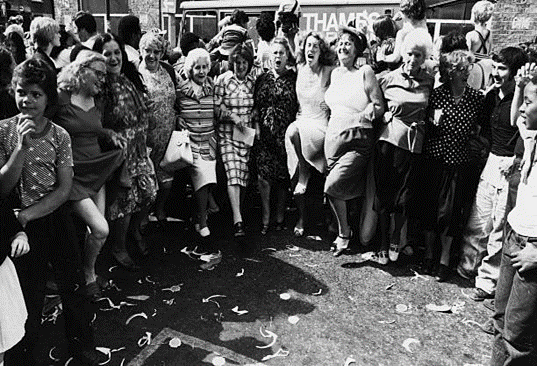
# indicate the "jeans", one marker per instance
pixel 515 317
pixel 482 238
pixel 52 239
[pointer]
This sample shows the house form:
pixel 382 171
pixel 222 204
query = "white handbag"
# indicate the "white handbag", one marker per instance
pixel 178 153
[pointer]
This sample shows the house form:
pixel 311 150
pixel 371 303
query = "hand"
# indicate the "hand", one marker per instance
pixel 20 245
pixel 22 218
pixel 25 126
pixel 118 140
pixel 526 259
pixel 236 120
pixel 524 74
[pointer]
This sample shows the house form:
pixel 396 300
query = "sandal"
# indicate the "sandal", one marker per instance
pixel 341 244
pixel 393 253
pixel 380 258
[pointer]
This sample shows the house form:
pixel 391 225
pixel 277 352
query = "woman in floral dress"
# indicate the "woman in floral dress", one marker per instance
pixel 126 112
pixel 159 78
pixel 234 94
pixel 277 105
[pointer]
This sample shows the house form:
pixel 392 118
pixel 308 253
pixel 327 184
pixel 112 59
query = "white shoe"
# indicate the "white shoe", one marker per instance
pixel 393 253
pixel 204 231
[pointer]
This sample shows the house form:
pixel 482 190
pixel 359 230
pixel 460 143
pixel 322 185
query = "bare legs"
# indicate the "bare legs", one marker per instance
pixel 91 210
pixel 234 192
pixel 264 190
pixel 303 171
pixel 202 198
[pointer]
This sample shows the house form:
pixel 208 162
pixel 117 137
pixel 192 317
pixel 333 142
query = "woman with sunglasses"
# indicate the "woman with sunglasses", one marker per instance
pixel 80 83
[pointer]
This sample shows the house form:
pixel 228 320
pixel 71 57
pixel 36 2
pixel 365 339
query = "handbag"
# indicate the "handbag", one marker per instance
pixel 178 153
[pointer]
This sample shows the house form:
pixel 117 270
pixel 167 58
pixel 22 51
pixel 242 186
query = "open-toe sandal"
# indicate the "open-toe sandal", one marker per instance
pixel 341 244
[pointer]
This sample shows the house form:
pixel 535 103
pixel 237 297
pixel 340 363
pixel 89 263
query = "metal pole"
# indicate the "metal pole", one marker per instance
pixel 107 19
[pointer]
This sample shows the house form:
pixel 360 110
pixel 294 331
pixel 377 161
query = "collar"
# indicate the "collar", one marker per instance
pixel 206 89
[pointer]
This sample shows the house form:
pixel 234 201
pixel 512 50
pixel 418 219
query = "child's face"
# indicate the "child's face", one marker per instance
pixel 31 100
pixel 528 109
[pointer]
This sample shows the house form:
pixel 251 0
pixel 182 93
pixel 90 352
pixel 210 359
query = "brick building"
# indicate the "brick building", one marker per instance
pixel 514 21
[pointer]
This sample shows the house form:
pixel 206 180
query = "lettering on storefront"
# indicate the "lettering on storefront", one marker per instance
pixel 329 23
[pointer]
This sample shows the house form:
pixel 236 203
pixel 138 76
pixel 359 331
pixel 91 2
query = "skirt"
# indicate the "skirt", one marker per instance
pixel 396 178
pixel 347 154
pixel 13 312
pixel 202 172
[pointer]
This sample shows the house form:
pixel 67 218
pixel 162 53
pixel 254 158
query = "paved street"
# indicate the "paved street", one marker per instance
pixel 288 298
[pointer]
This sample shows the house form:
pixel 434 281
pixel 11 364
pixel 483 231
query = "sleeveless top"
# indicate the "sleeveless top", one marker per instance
pixel 346 98
pixel 311 95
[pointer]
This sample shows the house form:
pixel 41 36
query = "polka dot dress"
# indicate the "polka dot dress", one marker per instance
pixel 453 124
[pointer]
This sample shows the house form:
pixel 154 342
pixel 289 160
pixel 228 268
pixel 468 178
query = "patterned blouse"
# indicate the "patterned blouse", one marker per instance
pixel 236 95
pixel 453 124
pixel 197 113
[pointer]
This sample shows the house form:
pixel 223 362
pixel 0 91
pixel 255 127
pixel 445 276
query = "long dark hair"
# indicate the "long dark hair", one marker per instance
pixel 127 68
pixel 20 49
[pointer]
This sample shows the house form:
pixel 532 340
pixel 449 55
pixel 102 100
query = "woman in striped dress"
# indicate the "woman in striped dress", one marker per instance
pixel 234 100
pixel 196 99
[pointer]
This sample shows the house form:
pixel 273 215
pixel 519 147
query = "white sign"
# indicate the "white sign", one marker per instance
pixel 169 6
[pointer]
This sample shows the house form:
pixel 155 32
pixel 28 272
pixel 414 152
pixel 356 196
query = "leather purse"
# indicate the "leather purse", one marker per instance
pixel 178 153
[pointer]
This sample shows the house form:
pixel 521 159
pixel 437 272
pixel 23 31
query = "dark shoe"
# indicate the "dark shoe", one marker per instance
pixel 443 273
pixel 488 326
pixel 125 261
pixel 480 295
pixel 465 274
pixel 90 357
pixel 93 291
pixel 264 230
pixel 341 244
pixel 238 230
pixel 280 226
pixel 489 305
pixel 427 266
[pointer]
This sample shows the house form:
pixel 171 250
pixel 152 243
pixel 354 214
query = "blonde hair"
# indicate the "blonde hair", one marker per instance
pixel 419 38
pixel 482 11
pixel 452 60
pixel 152 39
pixel 194 56
pixel 43 30
pixel 73 77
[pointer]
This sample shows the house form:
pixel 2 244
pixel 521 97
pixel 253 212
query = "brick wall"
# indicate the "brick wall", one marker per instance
pixel 513 22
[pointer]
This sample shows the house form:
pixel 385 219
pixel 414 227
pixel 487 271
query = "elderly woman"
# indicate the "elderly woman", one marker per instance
pixel 234 100
pixel 159 78
pixel 196 100
pixel 304 139
pixel 45 35
pixel 355 101
pixel 276 103
pixel 406 91
pixel 126 112
pixel 455 110
pixel 79 83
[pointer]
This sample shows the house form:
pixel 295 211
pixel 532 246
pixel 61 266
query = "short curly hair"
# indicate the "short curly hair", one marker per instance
pixel 285 43
pixel 482 11
pixel 152 39
pixel 452 60
pixel 413 9
pixel 419 38
pixel 327 56
pixel 193 56
pixel 265 26
pixel 43 30
pixel 38 72
pixel 384 27
pixel 74 76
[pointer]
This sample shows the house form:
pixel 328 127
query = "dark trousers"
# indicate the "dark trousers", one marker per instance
pixel 515 317
pixel 52 239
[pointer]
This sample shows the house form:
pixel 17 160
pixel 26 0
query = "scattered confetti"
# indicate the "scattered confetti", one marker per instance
pixel 281 353
pixel 294 248
pixel 175 342
pixel 241 273
pixel 218 361
pixel 269 334
pixel 390 286
pixel 239 312
pixel 112 268
pixel 145 340
pixel 148 279
pixel 418 276
pixel 174 288
pixel 408 342
pixel 68 361
pixel 51 356
pixel 387 321
pixel 311 265
pixel 285 296
pixel 269 249
pixel 402 308
pixel 169 302
pixel 316 237
pixel 438 308
pixel 318 292
pixel 253 260
pixel 143 315
pixel 350 360
pixel 293 319
pixel 138 297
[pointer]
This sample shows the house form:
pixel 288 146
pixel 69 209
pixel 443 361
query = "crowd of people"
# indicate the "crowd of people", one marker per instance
pixel 425 149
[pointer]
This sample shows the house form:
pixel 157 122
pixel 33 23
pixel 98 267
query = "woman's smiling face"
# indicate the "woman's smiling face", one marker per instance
pixel 114 59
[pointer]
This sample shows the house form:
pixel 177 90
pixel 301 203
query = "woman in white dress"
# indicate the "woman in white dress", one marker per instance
pixel 304 139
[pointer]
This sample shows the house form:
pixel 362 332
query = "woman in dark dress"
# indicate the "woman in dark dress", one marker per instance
pixel 276 104
pixel 455 110
pixel 127 113
pixel 79 83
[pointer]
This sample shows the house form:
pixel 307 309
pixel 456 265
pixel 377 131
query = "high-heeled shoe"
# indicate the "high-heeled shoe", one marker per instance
pixel 341 244
pixel 298 231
